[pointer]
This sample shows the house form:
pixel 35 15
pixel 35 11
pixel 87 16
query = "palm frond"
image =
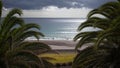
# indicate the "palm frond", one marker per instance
pixel 97 11
pixel 11 24
pixel 15 52
pixel 95 22
pixel 27 56
pixel 104 52
pixel 47 64
pixel 87 37
pixel 10 14
pixel 27 34
pixel 35 46
pixel 25 28
pixel 20 64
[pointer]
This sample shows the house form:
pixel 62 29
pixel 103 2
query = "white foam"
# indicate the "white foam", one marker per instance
pixel 70 20
pixel 49 38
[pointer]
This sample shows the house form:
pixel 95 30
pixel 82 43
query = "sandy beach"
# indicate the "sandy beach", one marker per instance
pixel 64 45
pixel 69 43
pixel 59 44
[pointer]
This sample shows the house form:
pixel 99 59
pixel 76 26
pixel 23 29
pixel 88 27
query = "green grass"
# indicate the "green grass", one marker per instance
pixel 60 58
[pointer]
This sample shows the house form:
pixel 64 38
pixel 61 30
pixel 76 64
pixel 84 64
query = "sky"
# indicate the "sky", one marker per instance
pixel 53 8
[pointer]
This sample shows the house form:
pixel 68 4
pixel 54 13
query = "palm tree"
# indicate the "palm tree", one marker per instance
pixel 105 49
pixel 15 52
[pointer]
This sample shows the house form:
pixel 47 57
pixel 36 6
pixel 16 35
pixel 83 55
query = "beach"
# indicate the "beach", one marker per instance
pixel 61 45
pixel 66 48
pixel 58 44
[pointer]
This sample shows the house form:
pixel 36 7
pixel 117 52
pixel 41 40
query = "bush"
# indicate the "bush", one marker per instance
pixel 64 64
pixel 58 65
pixel 69 63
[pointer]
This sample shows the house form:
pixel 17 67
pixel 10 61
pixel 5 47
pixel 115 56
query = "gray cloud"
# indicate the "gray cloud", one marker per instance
pixel 39 4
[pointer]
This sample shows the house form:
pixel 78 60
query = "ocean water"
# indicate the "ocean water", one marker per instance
pixel 56 28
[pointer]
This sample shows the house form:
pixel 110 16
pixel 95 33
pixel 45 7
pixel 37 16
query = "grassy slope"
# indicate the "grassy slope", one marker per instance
pixel 60 58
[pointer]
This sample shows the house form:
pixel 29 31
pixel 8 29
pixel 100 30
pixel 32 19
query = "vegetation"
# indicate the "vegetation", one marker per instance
pixel 15 52
pixel 60 58
pixel 105 49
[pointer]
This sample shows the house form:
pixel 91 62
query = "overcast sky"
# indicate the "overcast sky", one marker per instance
pixel 53 8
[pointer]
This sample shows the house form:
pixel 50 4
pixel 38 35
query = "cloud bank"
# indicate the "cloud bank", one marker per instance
pixel 53 8
pixel 54 12
pixel 39 4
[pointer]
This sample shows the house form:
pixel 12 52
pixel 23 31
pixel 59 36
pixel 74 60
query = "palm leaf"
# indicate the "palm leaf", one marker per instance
pixel 95 22
pixel 28 34
pixel 97 11
pixel 10 14
pixel 11 24
pixel 24 28
pixel 86 38
pixel 35 46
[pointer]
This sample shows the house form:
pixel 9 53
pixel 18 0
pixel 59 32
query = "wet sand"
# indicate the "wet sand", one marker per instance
pixel 61 45
pixel 59 42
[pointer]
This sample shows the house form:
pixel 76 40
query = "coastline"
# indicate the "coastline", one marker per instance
pixel 58 44
pixel 62 45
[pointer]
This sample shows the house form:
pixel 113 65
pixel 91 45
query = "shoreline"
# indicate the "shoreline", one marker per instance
pixel 62 45
pixel 58 44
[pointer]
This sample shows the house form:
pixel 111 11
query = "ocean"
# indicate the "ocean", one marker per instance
pixel 56 28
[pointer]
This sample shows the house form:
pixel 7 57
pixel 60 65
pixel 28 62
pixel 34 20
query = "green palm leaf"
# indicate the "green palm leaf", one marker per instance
pixel 15 51
pixel 35 46
pixel 104 52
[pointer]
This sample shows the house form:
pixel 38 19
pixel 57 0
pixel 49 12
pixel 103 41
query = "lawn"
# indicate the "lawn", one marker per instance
pixel 60 58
